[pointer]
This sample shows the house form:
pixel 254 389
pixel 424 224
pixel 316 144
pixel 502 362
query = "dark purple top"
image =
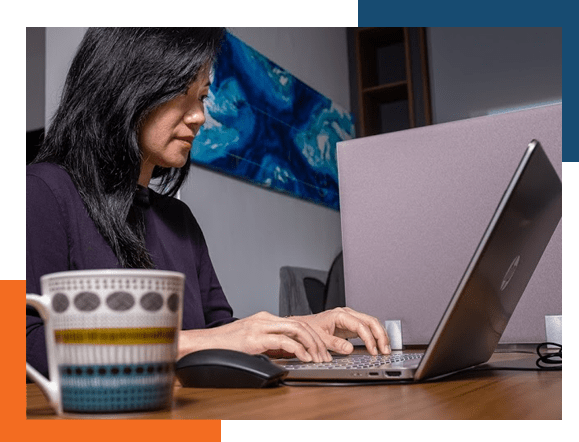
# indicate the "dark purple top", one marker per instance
pixel 61 236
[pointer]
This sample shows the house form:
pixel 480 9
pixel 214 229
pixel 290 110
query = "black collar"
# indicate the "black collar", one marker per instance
pixel 142 196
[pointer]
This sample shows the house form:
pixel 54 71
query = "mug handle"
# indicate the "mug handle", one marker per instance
pixel 51 389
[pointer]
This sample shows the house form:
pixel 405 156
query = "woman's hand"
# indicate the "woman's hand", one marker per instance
pixel 260 333
pixel 306 337
pixel 335 326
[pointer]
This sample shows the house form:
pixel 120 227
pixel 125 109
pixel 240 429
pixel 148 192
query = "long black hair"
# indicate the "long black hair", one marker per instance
pixel 116 78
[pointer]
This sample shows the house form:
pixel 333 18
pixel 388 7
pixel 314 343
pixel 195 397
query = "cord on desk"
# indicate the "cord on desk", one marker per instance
pixel 549 360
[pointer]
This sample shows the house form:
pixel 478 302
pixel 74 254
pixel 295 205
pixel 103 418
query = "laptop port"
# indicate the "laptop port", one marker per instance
pixel 373 373
pixel 393 373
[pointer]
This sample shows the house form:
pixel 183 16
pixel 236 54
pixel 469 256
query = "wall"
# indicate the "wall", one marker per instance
pixel 61 44
pixel 35 73
pixel 476 71
pixel 252 232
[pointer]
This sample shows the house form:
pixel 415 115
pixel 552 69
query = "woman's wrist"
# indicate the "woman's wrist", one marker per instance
pixel 195 340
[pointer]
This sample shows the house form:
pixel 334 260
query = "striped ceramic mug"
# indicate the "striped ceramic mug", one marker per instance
pixel 111 339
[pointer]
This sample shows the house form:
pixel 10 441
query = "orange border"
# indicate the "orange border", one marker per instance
pixel 13 408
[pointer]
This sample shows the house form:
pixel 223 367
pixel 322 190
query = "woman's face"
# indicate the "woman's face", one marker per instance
pixel 168 131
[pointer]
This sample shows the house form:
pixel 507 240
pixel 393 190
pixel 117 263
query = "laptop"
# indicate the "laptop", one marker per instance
pixel 486 296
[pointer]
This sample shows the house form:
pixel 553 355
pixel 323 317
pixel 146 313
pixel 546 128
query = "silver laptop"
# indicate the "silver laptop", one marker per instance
pixel 486 295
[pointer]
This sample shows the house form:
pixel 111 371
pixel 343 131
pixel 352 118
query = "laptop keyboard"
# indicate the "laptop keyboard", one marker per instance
pixel 353 362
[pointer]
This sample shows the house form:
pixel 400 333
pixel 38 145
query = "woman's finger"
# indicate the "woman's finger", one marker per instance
pixel 378 331
pixel 288 345
pixel 367 328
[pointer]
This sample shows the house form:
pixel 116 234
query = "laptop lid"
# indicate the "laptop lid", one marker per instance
pixel 499 270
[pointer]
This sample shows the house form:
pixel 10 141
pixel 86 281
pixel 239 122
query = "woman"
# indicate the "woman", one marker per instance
pixel 131 107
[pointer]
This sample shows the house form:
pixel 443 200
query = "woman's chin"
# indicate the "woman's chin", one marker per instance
pixel 176 162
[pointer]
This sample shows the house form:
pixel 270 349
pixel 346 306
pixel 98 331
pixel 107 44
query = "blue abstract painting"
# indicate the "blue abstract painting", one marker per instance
pixel 265 126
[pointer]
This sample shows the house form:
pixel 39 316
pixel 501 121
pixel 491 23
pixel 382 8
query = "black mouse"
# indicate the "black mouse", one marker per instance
pixel 218 368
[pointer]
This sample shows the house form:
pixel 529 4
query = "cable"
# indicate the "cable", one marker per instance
pixel 549 360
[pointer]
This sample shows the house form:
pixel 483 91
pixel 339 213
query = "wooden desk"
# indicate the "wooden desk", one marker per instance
pixel 468 395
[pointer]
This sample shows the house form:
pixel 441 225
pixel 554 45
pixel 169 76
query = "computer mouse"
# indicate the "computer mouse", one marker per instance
pixel 219 368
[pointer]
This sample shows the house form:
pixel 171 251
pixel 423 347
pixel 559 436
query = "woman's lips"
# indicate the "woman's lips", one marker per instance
pixel 187 139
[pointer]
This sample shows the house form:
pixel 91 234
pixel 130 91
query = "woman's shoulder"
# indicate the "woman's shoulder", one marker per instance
pixel 46 179
pixel 166 201
pixel 172 209
pixel 52 174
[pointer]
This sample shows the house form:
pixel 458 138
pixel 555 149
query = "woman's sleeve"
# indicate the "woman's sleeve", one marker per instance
pixel 216 308
pixel 46 252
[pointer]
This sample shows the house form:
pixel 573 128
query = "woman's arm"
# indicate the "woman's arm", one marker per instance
pixel 46 252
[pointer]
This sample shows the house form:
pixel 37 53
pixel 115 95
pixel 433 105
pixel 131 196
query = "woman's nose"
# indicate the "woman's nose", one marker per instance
pixel 195 116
